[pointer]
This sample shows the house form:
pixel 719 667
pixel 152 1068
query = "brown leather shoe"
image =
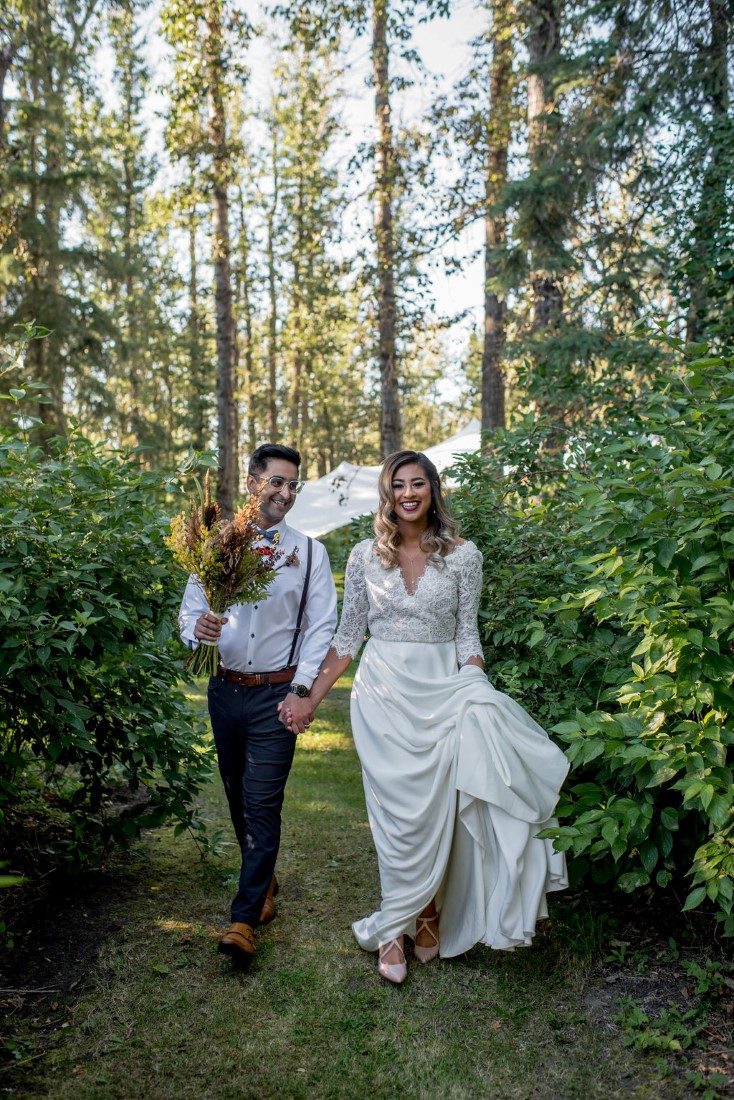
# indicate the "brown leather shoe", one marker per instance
pixel 239 942
pixel 269 908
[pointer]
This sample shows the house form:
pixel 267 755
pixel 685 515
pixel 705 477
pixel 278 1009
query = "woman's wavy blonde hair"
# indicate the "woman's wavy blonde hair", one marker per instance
pixel 439 536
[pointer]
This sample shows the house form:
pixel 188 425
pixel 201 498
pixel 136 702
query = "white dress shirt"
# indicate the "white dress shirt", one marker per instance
pixel 258 636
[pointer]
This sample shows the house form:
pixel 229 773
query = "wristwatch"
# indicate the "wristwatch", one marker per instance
pixel 300 690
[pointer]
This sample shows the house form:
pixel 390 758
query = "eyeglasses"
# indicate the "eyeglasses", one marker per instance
pixel 278 482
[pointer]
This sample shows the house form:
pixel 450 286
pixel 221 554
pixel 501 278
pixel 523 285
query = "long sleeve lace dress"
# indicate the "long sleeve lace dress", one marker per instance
pixel 458 778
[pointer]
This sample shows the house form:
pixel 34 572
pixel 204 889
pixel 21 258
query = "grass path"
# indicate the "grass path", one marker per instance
pixel 164 1016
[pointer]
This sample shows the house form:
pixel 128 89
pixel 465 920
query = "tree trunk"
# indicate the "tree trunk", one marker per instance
pixel 7 53
pixel 52 64
pixel 244 302
pixel 197 402
pixel 718 53
pixel 227 430
pixel 495 220
pixel 712 200
pixel 7 215
pixel 128 356
pixel 390 420
pixel 543 43
pixel 295 396
pixel 46 170
pixel 273 298
pixel 305 444
pixel 302 290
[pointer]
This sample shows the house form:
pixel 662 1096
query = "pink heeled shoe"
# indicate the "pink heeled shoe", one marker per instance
pixel 393 972
pixel 429 925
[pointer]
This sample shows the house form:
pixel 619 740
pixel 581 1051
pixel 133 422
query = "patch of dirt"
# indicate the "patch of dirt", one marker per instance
pixel 650 959
pixel 58 926
pixel 653 990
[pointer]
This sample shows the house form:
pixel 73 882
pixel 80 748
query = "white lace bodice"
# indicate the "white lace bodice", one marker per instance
pixel 443 607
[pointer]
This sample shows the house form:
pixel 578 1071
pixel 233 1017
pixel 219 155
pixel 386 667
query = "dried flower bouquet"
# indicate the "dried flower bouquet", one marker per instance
pixel 221 556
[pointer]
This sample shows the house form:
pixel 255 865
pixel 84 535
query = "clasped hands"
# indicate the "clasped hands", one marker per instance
pixel 295 713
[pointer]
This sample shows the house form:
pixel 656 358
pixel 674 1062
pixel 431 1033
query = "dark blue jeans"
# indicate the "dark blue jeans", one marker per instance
pixel 255 753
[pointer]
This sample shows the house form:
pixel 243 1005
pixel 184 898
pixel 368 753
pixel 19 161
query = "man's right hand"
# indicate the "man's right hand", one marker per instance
pixel 208 627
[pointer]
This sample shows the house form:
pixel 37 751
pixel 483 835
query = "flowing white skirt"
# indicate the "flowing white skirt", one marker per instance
pixel 458 781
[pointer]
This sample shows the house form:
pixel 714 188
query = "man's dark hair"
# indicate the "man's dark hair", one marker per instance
pixel 261 456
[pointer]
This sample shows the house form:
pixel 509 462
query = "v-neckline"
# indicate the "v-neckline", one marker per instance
pixel 425 570
pixel 417 583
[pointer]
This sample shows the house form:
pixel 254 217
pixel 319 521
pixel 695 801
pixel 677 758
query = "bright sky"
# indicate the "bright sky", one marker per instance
pixel 443 46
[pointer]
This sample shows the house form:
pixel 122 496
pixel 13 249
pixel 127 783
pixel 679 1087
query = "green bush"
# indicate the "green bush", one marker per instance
pixel 609 609
pixel 90 702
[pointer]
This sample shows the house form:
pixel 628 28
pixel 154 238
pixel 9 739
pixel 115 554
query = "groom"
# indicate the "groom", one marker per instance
pixel 270 652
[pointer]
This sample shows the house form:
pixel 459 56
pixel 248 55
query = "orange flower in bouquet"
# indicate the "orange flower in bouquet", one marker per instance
pixel 221 556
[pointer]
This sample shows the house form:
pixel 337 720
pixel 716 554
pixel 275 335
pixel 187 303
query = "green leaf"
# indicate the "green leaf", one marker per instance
pixel 719 809
pixel 695 898
pixel 648 855
pixel 692 789
pixel 703 560
pixel 632 880
pixel 663 774
pixel 665 550
pixel 11 880
pixel 665 842
pixel 567 728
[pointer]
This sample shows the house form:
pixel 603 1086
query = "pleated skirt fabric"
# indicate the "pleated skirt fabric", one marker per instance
pixel 458 781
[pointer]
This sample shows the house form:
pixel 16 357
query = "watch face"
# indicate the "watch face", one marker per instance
pixel 300 690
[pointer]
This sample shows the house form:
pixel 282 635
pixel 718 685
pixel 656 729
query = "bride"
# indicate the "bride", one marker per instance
pixel 458 779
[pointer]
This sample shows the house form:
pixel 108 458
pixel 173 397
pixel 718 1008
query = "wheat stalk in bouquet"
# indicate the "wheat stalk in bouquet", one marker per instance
pixel 221 556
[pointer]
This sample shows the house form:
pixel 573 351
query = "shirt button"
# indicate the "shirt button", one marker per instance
pixel 256 607
pixel 252 635
pixel 249 662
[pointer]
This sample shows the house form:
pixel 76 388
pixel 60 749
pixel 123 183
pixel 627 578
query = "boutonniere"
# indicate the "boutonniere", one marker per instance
pixel 288 559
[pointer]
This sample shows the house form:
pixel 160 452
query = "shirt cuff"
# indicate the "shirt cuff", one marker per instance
pixel 302 678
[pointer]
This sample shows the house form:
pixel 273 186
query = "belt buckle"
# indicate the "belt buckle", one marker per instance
pixel 259 679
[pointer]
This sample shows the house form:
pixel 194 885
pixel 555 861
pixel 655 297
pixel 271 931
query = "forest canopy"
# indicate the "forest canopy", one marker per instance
pixel 223 255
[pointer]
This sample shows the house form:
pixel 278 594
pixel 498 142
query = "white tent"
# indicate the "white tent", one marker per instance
pixel 349 491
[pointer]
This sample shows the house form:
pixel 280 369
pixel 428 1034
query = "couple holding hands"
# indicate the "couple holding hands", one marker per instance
pixel 458 779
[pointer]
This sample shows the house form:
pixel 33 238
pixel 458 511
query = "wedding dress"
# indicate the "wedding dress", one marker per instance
pixel 458 778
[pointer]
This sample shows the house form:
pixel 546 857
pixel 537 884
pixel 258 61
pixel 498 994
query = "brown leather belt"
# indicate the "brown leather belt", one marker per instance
pixel 257 679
